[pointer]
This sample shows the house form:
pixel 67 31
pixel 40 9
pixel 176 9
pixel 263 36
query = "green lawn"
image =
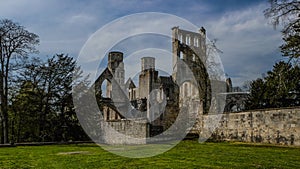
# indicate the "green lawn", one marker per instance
pixel 187 154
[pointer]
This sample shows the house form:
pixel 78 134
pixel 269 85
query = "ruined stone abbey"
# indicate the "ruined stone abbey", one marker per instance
pixel 158 99
pixel 133 113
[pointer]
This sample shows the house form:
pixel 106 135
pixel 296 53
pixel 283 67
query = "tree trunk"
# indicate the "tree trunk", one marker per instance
pixel 1 94
pixel 5 129
pixel 5 102
pixel 4 114
pixel 1 131
pixel 4 136
pixel 18 130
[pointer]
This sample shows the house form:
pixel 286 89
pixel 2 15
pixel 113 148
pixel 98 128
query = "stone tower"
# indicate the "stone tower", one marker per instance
pixel 116 67
pixel 189 60
pixel 188 46
pixel 148 77
pixel 148 82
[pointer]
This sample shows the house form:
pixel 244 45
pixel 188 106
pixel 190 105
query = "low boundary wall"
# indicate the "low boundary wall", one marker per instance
pixel 277 126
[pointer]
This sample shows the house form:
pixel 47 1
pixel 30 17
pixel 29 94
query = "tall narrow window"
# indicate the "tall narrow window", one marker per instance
pixel 185 88
pixel 107 114
pixel 129 95
pixel 196 42
pixel 188 40
pixel 180 37
pixel 116 116
pixel 181 55
pixel 167 92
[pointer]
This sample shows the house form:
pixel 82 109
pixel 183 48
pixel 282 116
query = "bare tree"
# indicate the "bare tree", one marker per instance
pixel 212 63
pixel 285 12
pixel 15 43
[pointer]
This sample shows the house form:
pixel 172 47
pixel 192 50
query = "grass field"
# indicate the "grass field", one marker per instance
pixel 187 154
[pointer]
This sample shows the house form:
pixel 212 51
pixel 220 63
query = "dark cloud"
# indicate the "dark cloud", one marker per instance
pixel 243 33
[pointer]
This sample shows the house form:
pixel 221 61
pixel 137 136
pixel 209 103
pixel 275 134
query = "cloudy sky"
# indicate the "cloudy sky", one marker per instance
pixel 248 42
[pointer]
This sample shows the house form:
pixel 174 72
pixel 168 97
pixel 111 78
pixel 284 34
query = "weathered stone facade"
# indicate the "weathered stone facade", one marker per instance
pixel 277 126
pixel 126 132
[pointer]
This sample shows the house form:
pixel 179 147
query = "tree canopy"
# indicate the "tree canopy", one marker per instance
pixel 35 94
pixel 280 88
pixel 15 43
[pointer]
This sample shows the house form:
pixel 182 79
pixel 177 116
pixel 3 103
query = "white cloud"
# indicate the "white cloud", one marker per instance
pixel 81 18
pixel 249 43
pixel 63 26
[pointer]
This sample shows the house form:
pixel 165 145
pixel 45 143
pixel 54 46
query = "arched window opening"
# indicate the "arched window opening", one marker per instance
pixel 181 55
pixel 106 89
pixel 167 92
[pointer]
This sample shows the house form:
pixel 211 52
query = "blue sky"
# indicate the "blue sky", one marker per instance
pixel 249 43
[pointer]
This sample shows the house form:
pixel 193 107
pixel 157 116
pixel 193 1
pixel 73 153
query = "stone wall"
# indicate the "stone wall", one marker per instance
pixel 277 126
pixel 126 132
